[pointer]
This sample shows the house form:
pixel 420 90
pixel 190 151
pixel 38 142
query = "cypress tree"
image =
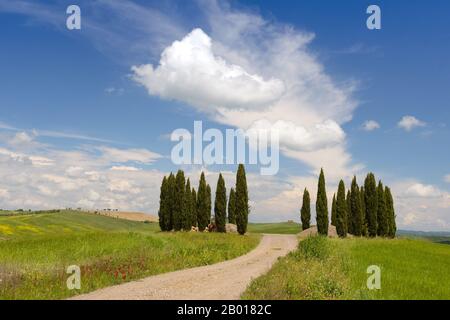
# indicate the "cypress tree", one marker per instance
pixel 371 200
pixel 391 213
pixel 333 211
pixel 382 214
pixel 322 206
pixel 162 212
pixel 193 208
pixel 242 208
pixel 220 205
pixel 209 203
pixel 170 201
pixel 186 221
pixel 356 209
pixel 202 205
pixel 341 211
pixel 348 222
pixel 363 212
pixel 232 207
pixel 179 204
pixel 305 212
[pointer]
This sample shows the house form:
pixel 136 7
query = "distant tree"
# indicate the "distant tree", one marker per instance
pixel 371 201
pixel 232 207
pixel 382 214
pixel 242 208
pixel 171 201
pixel 348 221
pixel 356 213
pixel 194 208
pixel 305 212
pixel 202 204
pixel 333 211
pixel 187 214
pixel 179 204
pixel 363 210
pixel 341 211
pixel 391 213
pixel 163 211
pixel 322 206
pixel 209 203
pixel 220 205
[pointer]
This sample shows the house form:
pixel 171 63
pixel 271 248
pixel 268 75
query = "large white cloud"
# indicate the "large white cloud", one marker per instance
pixel 189 71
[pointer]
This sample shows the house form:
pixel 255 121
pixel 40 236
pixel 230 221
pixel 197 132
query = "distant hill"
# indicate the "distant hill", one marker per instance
pixel 435 236
pixel 129 215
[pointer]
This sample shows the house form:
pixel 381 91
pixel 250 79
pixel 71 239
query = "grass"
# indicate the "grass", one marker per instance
pixel 278 228
pixel 37 249
pixel 324 268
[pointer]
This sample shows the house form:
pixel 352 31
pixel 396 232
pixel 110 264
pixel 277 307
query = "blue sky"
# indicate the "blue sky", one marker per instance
pixel 71 98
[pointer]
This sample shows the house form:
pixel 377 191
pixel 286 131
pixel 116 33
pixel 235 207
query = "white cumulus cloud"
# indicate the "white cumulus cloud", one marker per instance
pixel 408 123
pixel 370 125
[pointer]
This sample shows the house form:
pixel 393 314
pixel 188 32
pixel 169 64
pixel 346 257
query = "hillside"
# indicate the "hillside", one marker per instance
pixel 324 268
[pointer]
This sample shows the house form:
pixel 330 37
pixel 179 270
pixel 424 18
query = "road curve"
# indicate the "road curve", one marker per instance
pixel 221 281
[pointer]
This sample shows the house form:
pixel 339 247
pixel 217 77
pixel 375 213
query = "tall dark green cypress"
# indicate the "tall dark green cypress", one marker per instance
pixel 242 208
pixel 209 203
pixel 202 205
pixel 371 197
pixel 194 208
pixel 322 206
pixel 382 214
pixel 391 213
pixel 341 211
pixel 363 212
pixel 179 205
pixel 305 212
pixel 171 201
pixel 349 221
pixel 232 207
pixel 163 209
pixel 355 210
pixel 333 211
pixel 220 205
pixel 186 217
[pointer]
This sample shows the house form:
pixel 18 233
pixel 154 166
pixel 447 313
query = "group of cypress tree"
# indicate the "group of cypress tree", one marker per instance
pixel 362 211
pixel 182 207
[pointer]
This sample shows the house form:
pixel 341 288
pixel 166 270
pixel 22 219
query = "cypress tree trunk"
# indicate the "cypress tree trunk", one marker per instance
pixel 171 201
pixel 382 215
pixel 391 213
pixel 194 208
pixel 202 206
pixel 179 209
pixel 305 212
pixel 220 205
pixel 371 199
pixel 186 222
pixel 333 211
pixel 322 206
pixel 341 211
pixel 232 207
pixel 242 208
pixel 356 209
pixel 162 212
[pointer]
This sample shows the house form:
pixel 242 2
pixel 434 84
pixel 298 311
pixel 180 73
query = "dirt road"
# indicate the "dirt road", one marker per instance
pixel 221 281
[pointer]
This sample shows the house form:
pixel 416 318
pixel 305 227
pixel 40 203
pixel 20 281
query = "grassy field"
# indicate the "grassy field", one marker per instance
pixel 36 249
pixel 279 228
pixel 324 268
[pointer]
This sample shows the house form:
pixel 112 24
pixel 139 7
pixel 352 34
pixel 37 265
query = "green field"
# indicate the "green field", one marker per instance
pixel 280 227
pixel 35 250
pixel 324 268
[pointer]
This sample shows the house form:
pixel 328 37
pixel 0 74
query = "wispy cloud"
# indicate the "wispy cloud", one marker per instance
pixel 370 125
pixel 409 123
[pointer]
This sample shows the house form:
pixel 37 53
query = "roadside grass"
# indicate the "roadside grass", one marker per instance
pixel 324 268
pixel 108 251
pixel 276 228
